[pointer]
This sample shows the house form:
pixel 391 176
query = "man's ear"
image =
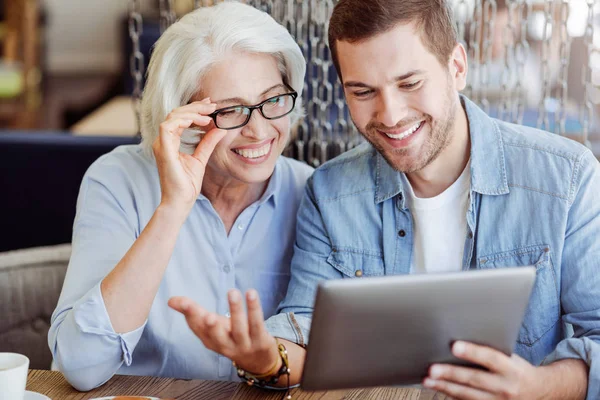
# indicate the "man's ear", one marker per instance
pixel 459 66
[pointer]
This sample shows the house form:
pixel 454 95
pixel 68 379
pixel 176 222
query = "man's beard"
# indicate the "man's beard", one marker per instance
pixel 437 140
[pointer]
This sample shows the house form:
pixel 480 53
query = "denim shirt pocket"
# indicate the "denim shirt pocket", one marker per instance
pixel 543 310
pixel 356 263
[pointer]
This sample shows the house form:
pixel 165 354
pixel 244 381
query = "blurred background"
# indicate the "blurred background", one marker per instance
pixel 535 62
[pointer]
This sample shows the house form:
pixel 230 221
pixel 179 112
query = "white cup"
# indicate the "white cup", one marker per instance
pixel 13 376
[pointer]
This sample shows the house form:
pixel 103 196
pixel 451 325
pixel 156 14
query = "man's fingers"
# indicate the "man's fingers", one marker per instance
pixel 465 376
pixel 256 319
pixel 239 322
pixel 487 357
pixel 457 391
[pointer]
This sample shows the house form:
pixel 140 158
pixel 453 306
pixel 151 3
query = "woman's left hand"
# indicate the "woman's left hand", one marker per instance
pixel 243 339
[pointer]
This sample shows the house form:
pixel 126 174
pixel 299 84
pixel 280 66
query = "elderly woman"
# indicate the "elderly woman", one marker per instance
pixel 205 204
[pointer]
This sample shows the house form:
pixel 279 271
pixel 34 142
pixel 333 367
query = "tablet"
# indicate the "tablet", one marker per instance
pixel 381 331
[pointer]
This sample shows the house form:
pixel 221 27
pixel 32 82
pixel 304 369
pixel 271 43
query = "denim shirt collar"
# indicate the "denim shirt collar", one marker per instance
pixel 488 166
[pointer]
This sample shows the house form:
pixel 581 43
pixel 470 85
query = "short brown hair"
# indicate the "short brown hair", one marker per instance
pixel 356 20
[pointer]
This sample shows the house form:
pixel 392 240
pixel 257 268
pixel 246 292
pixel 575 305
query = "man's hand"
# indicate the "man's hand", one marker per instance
pixel 243 339
pixel 507 377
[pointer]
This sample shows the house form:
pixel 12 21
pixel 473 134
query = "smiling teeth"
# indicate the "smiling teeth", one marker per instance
pixel 406 133
pixel 254 153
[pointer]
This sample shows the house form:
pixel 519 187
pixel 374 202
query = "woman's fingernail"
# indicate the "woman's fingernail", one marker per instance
pixel 252 295
pixel 234 296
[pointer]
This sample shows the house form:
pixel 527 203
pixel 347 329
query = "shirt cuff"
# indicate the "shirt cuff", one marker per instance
pixel 91 317
pixel 289 326
pixel 584 349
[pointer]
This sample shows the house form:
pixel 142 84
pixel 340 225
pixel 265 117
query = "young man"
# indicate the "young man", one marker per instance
pixel 440 187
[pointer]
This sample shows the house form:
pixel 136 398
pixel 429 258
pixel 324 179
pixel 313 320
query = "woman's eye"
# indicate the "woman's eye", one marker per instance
pixel 232 111
pixel 275 100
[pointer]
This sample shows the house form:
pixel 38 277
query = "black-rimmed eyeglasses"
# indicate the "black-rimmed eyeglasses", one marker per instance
pixel 237 116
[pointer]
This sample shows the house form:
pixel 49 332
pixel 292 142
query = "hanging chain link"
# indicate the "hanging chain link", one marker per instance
pixel 167 14
pixel 475 51
pixel 543 121
pixel 521 55
pixel 462 16
pixel 509 37
pixel 296 18
pixel 560 117
pixel 587 109
pixel 136 60
pixel 489 16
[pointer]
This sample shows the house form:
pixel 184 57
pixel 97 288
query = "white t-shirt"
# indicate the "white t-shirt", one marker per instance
pixel 439 226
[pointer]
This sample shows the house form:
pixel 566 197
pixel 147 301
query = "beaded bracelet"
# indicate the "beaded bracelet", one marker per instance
pixel 272 376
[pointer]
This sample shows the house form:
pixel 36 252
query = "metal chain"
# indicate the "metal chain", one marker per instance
pixel 167 14
pixel 263 5
pixel 487 36
pixel 587 109
pixel 509 37
pixel 543 121
pixel 297 17
pixel 475 52
pixel 461 16
pixel 564 54
pixel 136 60
pixel 521 55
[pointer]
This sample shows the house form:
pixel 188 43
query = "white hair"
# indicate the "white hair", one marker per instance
pixel 189 47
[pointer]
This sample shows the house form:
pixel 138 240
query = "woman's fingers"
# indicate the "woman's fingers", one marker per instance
pixel 207 145
pixel 217 335
pixel 196 118
pixel 256 319
pixel 194 314
pixel 232 336
pixel 170 137
pixel 211 328
pixel 203 107
pixel 239 321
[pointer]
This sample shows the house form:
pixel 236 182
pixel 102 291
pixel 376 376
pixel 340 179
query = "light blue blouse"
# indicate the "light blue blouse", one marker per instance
pixel 118 196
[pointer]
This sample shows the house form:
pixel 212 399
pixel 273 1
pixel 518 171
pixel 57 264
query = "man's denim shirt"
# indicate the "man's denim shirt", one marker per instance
pixel 535 200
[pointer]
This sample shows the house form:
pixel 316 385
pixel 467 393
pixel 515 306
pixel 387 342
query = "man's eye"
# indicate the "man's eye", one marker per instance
pixel 363 93
pixel 410 85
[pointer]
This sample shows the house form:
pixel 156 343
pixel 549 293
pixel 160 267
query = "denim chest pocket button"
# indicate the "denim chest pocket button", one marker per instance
pixel 356 263
pixel 543 311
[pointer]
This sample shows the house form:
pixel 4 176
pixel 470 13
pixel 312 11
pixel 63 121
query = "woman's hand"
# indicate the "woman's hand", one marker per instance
pixel 241 338
pixel 181 174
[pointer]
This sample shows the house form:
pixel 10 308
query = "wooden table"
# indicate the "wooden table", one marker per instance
pixel 54 385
